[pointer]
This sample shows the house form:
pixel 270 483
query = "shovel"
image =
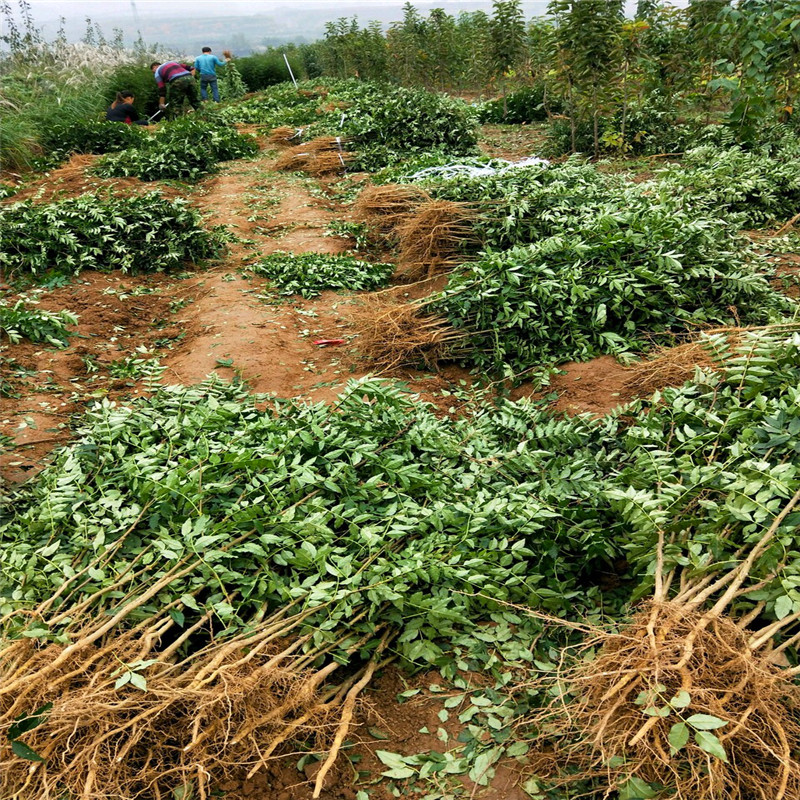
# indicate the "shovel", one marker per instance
pixel 160 111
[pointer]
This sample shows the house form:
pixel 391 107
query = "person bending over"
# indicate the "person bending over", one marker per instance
pixel 175 86
pixel 122 110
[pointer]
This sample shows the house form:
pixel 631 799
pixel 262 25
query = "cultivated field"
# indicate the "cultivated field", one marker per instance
pixel 351 449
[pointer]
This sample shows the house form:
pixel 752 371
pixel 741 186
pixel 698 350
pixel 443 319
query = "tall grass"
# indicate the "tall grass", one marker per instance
pixel 47 84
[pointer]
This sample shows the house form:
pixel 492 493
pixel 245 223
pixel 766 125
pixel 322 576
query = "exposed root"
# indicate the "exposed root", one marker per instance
pixel 317 157
pixel 393 333
pixel 384 207
pixel 670 366
pixel 196 723
pixel 622 705
pixel 435 238
pixel 327 163
pixel 707 349
pixel 285 136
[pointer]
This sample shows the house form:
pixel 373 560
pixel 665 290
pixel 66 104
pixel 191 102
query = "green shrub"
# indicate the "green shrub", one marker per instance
pixel 20 321
pixel 186 149
pixel 147 233
pixel 604 286
pixel 522 106
pixel 84 135
pixel 262 70
pixel 308 274
pixel 649 130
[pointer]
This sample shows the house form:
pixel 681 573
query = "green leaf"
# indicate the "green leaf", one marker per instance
pixel 678 737
pixel 681 700
pixel 783 606
pixel 705 722
pixel 636 789
pixel 25 723
pixel 22 750
pixel 655 711
pixel 138 680
pixel 711 744
pixel 123 679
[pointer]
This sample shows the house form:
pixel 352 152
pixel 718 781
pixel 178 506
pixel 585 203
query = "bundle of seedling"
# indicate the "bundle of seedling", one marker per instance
pixel 525 204
pixel 760 186
pixel 606 286
pixel 431 236
pixel 308 274
pixel 320 156
pixel 145 233
pixel 197 585
pixel 186 149
pixel 385 124
pixel 695 694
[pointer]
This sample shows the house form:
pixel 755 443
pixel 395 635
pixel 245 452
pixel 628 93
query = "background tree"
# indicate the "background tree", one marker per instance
pixel 589 37
pixel 405 45
pixel 762 71
pixel 507 31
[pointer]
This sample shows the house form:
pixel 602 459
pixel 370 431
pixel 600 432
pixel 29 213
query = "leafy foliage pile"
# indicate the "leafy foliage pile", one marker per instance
pixel 760 186
pixel 20 321
pixel 70 135
pixel 145 233
pixel 711 496
pixel 308 274
pixel 385 124
pixel 376 522
pixel 186 149
pixel 603 286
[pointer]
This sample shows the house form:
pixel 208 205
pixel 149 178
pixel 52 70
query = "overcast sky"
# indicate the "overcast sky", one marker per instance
pixel 123 9
pixel 180 26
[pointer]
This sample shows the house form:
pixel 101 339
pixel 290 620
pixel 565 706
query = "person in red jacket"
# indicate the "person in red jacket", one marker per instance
pixel 175 86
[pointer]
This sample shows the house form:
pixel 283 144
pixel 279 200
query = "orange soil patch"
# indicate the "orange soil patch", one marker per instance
pixel 49 385
pixel 589 387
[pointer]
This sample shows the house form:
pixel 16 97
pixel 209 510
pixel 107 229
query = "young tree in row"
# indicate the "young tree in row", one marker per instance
pixel 588 39
pixel 507 31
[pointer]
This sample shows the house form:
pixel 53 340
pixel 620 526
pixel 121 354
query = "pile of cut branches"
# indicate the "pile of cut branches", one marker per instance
pixel 136 234
pixel 23 321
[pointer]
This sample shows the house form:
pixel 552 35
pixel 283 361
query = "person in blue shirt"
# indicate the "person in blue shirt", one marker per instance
pixel 206 64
